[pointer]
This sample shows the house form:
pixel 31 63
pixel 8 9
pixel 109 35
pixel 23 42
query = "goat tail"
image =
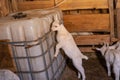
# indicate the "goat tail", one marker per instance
pixel 85 57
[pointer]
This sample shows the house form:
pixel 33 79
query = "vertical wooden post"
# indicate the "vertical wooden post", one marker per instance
pixel 111 11
pixel 118 18
pixel 3 9
pixel 14 5
pixel 7 6
pixel 118 22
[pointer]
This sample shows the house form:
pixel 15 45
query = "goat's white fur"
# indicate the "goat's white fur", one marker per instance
pixel 67 43
pixel 8 75
pixel 118 45
pixel 112 57
pixel 115 46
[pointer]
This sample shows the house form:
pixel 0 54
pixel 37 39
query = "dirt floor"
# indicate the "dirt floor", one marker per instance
pixel 95 69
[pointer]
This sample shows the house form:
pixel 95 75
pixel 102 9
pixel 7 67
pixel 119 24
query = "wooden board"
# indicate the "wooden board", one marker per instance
pixel 111 12
pixel 58 1
pixel 118 18
pixel 83 4
pixel 118 4
pixel 27 5
pixel 7 7
pixel 86 49
pixel 87 22
pixel 91 39
pixel 118 23
pixel 6 61
pixel 4 9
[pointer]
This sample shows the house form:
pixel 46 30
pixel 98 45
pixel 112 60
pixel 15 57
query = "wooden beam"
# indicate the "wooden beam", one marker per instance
pixel 87 22
pixel 83 4
pixel 91 39
pixel 14 5
pixel 27 5
pixel 118 23
pixel 118 18
pixel 4 8
pixel 111 12
pixel 118 4
pixel 86 49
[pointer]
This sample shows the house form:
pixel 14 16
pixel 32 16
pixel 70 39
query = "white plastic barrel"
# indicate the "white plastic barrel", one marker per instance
pixel 34 60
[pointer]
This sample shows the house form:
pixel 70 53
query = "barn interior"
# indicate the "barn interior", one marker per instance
pixel 27 45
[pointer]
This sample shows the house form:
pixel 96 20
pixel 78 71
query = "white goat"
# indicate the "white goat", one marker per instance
pixel 118 45
pixel 112 57
pixel 67 43
pixel 115 46
pixel 8 75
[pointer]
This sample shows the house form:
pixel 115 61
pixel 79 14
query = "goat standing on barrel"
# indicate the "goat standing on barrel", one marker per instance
pixel 67 43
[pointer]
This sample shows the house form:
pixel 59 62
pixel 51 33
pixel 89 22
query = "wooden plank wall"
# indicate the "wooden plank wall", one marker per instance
pixel 9 6
pixel 100 23
pixel 77 13
pixel 91 40
pixel 27 5
pixel 66 4
pixel 96 16
pixel 86 21
pixel 118 4
pixel 81 13
pixel 83 4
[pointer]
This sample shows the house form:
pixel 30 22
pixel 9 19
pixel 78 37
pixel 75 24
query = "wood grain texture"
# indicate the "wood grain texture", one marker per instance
pixel 87 22
pixel 83 4
pixel 86 49
pixel 111 12
pixel 91 39
pixel 118 4
pixel 27 5
pixel 4 9
pixel 118 23
pixel 7 7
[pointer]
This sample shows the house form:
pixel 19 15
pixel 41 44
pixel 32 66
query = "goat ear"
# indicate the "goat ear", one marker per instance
pixel 56 18
pixel 107 44
pixel 98 49
pixel 118 42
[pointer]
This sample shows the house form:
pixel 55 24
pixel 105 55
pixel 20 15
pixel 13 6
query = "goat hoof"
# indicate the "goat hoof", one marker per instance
pixel 109 74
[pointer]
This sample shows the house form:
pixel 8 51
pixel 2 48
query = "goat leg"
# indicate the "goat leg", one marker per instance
pixel 58 46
